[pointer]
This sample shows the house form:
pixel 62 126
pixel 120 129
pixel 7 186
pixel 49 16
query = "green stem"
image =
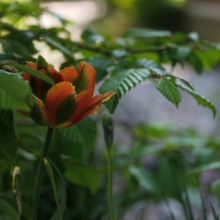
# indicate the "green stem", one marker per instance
pixel 110 202
pixel 39 176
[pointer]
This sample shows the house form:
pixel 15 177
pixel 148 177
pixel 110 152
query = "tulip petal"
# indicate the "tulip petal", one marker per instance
pixel 92 108
pixel 87 75
pixel 40 114
pixel 38 84
pixel 81 103
pixel 69 74
pixel 55 96
pixel 54 74
pixel 95 105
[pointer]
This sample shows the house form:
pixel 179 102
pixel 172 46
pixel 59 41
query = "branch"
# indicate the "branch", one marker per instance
pixel 131 51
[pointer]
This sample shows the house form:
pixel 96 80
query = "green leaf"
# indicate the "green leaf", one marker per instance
pixel 121 82
pixel 62 194
pixel 100 64
pixel 91 36
pixel 118 53
pixel 19 43
pixel 6 57
pixel 13 91
pixel 124 80
pixel 215 187
pixel 82 175
pixel 180 53
pixel 61 19
pixel 209 58
pixel 8 209
pixel 210 166
pixel 41 63
pixel 77 133
pixel 200 99
pixel 6 117
pixel 146 33
pixel 8 139
pixel 195 61
pixel 144 178
pixel 168 88
pixel 54 43
pixel 26 211
pixel 33 72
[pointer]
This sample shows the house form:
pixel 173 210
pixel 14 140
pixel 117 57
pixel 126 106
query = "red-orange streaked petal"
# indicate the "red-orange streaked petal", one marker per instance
pixel 39 83
pixel 55 96
pixel 54 74
pixel 94 106
pixel 81 100
pixel 39 114
pixel 86 81
pixel 69 74
pixel 97 101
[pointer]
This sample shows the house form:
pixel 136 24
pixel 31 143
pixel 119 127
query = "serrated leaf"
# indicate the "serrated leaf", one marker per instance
pixel 13 91
pixel 82 175
pixel 143 177
pixel 180 53
pixel 33 72
pixel 182 80
pixel 146 33
pixel 194 60
pixel 200 99
pixel 123 81
pixel 6 117
pixel 8 139
pixel 151 66
pixel 168 88
pixel 77 133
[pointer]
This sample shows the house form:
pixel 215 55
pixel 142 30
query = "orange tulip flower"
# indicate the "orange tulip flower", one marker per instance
pixel 70 100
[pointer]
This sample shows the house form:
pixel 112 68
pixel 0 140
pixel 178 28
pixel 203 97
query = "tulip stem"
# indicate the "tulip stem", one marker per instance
pixel 39 175
pixel 110 201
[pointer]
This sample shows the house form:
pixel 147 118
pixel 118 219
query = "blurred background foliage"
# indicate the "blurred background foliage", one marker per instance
pixel 159 165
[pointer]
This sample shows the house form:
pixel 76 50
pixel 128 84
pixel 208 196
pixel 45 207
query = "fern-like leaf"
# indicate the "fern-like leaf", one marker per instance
pixel 167 87
pixel 200 99
pixel 124 80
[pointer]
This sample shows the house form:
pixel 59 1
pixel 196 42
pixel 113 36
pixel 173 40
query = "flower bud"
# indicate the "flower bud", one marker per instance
pixel 16 179
pixel 49 169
